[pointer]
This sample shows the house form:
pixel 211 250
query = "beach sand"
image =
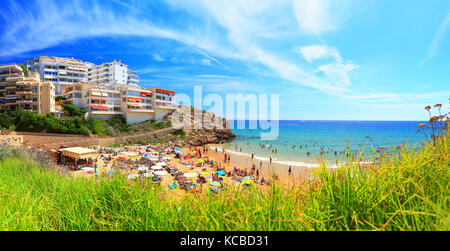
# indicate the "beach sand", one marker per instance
pixel 275 171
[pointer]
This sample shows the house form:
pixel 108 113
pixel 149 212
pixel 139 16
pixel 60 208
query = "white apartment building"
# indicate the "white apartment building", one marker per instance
pixel 133 103
pixel 114 72
pixel 62 72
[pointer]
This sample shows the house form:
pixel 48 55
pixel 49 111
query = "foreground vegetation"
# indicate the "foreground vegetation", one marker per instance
pixel 408 190
pixel 74 123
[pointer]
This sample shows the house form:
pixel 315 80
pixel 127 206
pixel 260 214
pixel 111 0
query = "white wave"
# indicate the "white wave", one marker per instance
pixel 274 160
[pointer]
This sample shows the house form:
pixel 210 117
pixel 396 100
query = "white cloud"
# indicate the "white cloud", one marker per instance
pixel 314 52
pixel 434 47
pixel 158 57
pixel 338 73
pixel 314 16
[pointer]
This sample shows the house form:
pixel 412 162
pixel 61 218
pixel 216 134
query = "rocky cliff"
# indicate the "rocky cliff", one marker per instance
pixel 201 127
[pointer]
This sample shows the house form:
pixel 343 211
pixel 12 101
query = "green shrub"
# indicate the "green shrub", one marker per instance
pixel 25 70
pixel 178 132
pixel 72 110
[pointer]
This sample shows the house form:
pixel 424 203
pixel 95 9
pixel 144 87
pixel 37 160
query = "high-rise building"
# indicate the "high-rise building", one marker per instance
pixel 28 93
pixel 62 72
pixel 114 72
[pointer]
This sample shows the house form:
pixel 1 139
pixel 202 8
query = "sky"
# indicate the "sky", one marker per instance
pixel 327 60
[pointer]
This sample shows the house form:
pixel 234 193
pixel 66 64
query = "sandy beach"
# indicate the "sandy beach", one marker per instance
pixel 129 159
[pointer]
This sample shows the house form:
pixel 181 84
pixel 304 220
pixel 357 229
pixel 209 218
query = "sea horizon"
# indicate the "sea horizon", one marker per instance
pixel 327 138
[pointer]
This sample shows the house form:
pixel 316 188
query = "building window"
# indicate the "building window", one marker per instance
pixel 35 89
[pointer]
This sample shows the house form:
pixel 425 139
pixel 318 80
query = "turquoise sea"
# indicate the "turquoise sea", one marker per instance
pixel 297 137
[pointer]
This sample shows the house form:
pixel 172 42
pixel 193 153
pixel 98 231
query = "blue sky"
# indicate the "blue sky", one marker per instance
pixel 328 60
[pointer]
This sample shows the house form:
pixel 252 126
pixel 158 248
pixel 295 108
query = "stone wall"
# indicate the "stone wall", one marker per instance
pixel 11 140
pixel 49 141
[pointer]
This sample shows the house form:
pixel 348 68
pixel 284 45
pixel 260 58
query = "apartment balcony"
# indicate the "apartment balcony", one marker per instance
pixel 167 106
pixel 141 110
pixel 25 101
pixel 12 75
pixel 100 112
pixel 24 92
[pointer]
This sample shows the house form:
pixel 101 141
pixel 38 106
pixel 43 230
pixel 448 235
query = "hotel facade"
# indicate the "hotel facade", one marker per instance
pixel 114 72
pixel 64 72
pixel 133 103
pixel 28 93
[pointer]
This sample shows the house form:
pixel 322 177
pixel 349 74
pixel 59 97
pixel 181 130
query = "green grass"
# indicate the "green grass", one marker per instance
pixel 407 191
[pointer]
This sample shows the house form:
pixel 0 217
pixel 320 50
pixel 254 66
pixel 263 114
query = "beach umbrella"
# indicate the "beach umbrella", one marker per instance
pixel 200 161
pixel 247 178
pixel 177 149
pixel 91 169
pixel 204 173
pixel 190 175
pixel 160 173
pixel 156 167
pixel 147 175
pixel 222 173
pixel 215 183
pixel 146 157
pixel 173 185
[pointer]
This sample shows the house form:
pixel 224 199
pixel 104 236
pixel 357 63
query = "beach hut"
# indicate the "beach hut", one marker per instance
pixel 79 153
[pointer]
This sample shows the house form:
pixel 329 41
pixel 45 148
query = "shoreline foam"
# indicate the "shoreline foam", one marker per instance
pixel 274 159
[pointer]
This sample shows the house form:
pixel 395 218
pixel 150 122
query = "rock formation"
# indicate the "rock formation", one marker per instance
pixel 201 127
